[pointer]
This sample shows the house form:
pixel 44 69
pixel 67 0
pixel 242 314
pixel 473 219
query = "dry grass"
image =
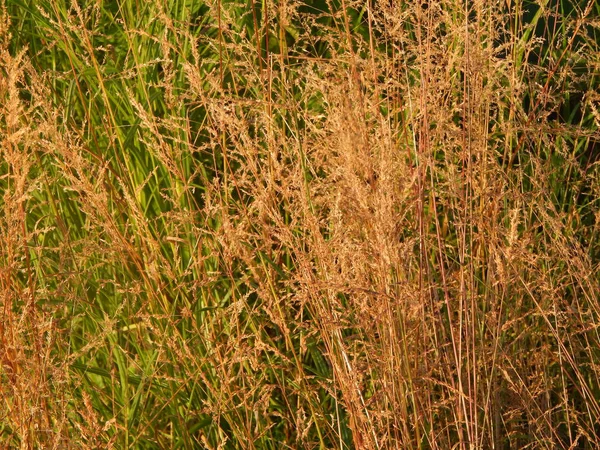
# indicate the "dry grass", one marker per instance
pixel 290 225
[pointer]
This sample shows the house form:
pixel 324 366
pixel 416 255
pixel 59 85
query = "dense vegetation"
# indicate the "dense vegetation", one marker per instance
pixel 327 224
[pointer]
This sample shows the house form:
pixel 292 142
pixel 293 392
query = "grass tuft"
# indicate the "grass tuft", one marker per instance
pixel 324 224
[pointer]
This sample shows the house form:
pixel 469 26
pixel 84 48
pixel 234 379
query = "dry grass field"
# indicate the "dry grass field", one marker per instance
pixel 282 224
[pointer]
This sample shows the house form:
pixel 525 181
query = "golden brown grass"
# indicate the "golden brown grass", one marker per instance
pixel 285 225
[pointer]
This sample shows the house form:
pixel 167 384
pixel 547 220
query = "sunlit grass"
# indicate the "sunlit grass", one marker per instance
pixel 299 225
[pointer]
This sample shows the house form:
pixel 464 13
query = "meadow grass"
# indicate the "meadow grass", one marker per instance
pixel 321 224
